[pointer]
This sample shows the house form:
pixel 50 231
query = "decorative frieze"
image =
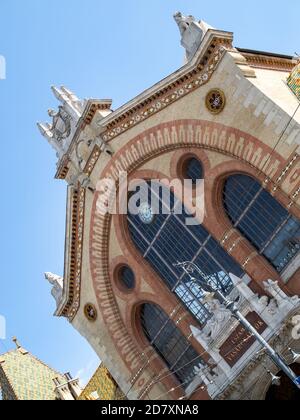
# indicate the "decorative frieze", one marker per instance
pixel 268 61
pixel 75 254
pixel 171 93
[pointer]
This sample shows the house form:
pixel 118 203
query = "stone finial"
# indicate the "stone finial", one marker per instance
pixel 57 289
pixel 18 345
pixel 192 33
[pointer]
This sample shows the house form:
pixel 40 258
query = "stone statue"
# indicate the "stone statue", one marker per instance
pixel 214 325
pixel 183 22
pixel 57 283
pixel 192 33
pixel 272 307
pixel 273 288
pixel 265 303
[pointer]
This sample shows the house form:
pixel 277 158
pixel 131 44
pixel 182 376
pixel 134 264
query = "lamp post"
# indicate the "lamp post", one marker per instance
pixel 189 268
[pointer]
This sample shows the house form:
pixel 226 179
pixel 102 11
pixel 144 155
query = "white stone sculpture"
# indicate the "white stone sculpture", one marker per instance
pixel 214 325
pixel 60 130
pixel 183 22
pixel 57 289
pixel 273 288
pixel 192 32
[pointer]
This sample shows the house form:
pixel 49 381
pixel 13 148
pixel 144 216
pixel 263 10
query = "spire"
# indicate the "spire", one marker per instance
pixel 58 94
pixel 45 130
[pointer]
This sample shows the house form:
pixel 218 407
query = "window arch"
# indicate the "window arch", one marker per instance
pixel 169 342
pixel 168 239
pixel 262 220
pixel 193 170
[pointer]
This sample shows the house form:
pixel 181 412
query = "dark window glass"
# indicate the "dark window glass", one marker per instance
pixel 262 220
pixel 178 354
pixel 193 170
pixel 169 240
pixel 127 277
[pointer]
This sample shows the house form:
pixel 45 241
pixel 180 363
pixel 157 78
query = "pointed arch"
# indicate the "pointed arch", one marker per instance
pixel 169 342
pixel 259 217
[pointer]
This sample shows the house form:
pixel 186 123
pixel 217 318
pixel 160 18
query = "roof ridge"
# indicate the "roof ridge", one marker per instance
pixel 17 351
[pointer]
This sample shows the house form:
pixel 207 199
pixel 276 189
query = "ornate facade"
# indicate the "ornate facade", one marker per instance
pixel 230 115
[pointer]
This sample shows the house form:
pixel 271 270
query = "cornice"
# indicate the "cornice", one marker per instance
pixel 193 75
pixel 269 62
pixel 190 77
pixel 73 253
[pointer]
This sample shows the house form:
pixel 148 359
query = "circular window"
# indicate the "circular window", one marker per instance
pixel 146 213
pixel 126 278
pixel 193 170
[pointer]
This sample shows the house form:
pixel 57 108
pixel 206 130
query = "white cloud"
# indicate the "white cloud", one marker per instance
pixel 2 68
pixel 2 328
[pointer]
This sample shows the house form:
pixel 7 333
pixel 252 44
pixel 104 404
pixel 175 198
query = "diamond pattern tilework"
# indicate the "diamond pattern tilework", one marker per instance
pixel 103 386
pixel 24 377
pixel 294 81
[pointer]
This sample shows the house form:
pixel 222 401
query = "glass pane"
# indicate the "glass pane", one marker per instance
pixel 262 220
pixel 285 245
pixel 172 241
pixel 194 170
pixel 170 343
pixel 127 277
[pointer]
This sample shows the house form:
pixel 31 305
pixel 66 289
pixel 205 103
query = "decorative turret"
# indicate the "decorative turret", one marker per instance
pixel 192 33
pixel 73 134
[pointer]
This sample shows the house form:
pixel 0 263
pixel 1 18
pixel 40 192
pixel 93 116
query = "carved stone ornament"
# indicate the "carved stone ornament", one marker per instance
pixel 215 101
pixel 61 123
pixel 57 289
pixel 90 312
pixel 214 326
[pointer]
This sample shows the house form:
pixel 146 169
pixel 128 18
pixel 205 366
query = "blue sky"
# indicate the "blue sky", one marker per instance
pixel 98 49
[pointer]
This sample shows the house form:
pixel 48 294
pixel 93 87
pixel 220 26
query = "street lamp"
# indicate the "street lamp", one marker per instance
pixel 189 268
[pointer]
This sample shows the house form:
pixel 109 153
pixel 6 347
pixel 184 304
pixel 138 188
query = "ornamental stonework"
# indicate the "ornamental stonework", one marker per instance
pixel 170 94
pixel 90 312
pixel 215 101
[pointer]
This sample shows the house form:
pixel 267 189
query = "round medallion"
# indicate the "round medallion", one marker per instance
pixel 215 101
pixel 90 312
pixel 146 213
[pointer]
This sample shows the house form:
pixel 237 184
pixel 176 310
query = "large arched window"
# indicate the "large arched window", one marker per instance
pixel 165 238
pixel 172 346
pixel 262 220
